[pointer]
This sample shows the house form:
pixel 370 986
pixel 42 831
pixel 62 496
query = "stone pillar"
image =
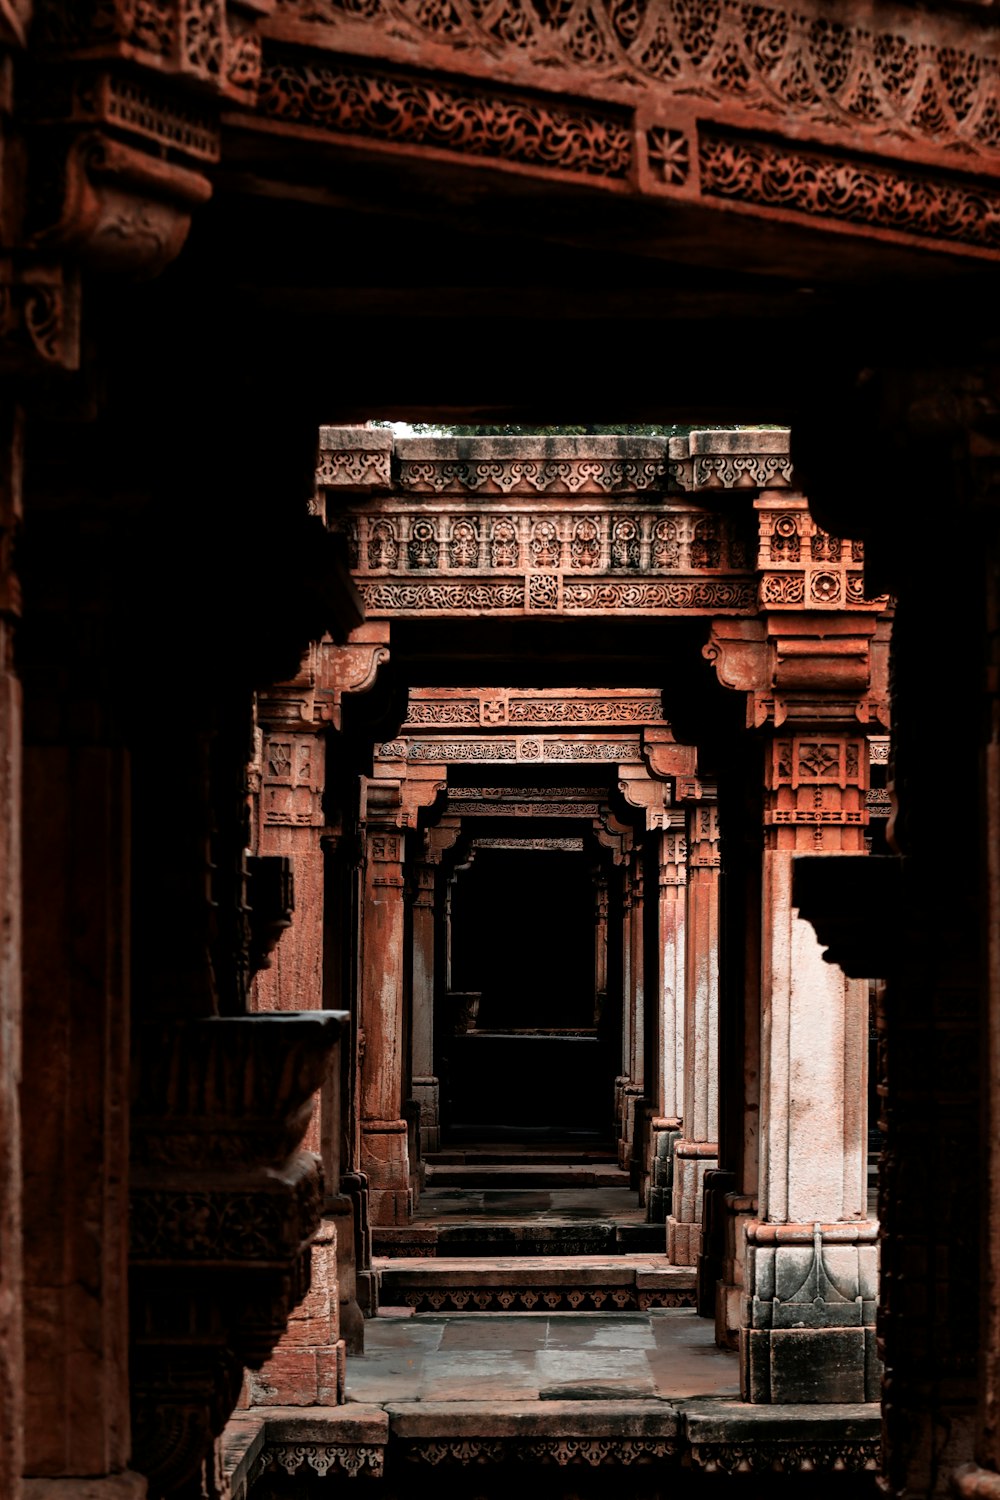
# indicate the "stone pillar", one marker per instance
pixel 697 1151
pixel 811 1269
pixel 425 1086
pixel 671 915
pixel 384 1151
pixel 291 825
pixel 76 1053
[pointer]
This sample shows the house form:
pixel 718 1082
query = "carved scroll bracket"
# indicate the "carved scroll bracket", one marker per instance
pixel 350 668
pixel 614 835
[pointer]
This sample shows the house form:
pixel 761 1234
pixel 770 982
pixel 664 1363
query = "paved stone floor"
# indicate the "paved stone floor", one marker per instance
pixel 539 1357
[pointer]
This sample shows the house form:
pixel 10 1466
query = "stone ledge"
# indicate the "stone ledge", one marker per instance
pixel 708 1434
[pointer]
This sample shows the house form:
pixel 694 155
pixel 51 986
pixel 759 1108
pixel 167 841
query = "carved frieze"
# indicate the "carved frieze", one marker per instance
pixel 518 749
pixel 934 86
pixel 490 707
pixel 560 845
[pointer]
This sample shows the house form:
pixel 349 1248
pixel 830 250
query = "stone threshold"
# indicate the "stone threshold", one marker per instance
pixel 534 1283
pixel 707 1435
pixel 485 1174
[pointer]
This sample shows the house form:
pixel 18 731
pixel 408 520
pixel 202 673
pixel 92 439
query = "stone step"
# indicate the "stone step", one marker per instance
pixel 540 1156
pixel 534 1283
pixel 555 1175
pixel 554 1237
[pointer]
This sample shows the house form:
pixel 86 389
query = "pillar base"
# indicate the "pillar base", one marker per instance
pixel 740 1208
pixel 664 1133
pixel 632 1103
pixel 427 1093
pixel 808 1319
pixel 385 1160
pixel 308 1364
pixel 692 1159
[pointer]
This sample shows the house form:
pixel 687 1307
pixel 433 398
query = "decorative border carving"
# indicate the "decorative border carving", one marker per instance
pixel 592 1452
pixel 534 476
pixel 499 809
pixel 350 1459
pixel 526 749
pixel 542 709
pixel 341 98
pixel 438 595
pixel 832 186
pixel 552 1299
pixel 767 1454
pixel 697 594
pixel 354 466
pixel 568 845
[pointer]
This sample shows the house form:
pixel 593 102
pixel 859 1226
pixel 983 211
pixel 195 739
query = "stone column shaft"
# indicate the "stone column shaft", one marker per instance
pixel 425 1084
pixel 384 1151
pixel 633 1021
pixel 76 1118
pixel 697 1151
pixel 666 1121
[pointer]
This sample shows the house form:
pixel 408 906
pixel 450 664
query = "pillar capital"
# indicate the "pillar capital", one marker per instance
pixel 805 665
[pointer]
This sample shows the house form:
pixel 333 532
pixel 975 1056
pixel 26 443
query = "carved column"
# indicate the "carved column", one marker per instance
pixel 425 1085
pixel 671 914
pixel 811 1273
pixel 631 1083
pixel 697 1151
pixel 384 1152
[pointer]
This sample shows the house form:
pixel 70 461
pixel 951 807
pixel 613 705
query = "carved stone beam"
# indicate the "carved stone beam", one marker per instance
pixel 350 668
